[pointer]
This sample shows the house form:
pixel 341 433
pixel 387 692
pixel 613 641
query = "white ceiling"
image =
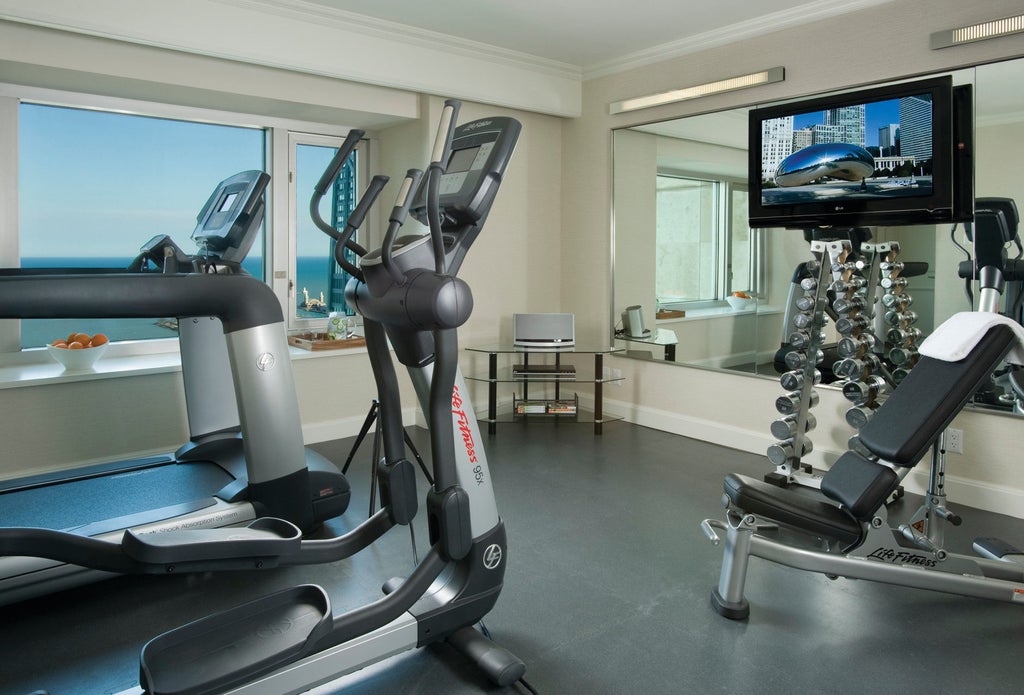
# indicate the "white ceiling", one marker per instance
pixel 596 35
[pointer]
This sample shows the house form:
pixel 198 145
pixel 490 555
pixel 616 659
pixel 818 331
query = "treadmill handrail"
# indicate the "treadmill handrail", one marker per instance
pixel 239 301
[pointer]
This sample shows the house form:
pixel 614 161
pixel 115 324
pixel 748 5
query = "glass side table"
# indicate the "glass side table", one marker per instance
pixel 543 370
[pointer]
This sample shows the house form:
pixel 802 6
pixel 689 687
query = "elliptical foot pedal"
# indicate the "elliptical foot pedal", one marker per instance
pixel 998 549
pixel 229 648
pixel 263 537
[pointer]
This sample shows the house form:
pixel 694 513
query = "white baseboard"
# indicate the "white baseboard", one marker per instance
pixel 687 426
pixel 959 490
pixel 340 428
pixel 971 493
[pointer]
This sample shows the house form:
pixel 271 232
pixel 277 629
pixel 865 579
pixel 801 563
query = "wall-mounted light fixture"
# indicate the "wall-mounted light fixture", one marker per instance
pixel 978 32
pixel 754 79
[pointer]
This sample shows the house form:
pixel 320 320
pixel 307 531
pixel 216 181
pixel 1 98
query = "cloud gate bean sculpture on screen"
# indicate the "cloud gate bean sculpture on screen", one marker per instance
pixel 835 160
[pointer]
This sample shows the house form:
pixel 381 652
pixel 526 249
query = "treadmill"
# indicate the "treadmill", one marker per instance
pixel 219 477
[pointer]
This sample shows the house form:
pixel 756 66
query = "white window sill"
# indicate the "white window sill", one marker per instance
pixel 40 373
pixel 722 312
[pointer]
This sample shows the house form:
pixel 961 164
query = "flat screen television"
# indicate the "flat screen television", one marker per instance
pixel 891 155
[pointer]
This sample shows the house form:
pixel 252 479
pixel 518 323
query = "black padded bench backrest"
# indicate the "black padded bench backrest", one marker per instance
pixel 928 399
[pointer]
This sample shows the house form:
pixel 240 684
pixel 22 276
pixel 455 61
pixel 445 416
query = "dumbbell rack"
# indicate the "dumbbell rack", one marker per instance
pixel 878 347
pixel 862 366
pixel 803 360
pixel 864 353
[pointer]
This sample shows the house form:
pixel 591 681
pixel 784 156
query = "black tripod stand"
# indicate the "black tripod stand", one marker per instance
pixel 371 417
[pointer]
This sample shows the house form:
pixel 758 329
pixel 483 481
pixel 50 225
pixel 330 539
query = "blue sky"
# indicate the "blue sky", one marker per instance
pixel 97 184
pixel 876 115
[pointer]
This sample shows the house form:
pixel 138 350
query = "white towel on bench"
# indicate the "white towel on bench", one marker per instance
pixel 957 336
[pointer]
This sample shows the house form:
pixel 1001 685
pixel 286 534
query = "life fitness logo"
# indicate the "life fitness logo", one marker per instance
pixel 265 362
pixel 492 556
pixel 467 436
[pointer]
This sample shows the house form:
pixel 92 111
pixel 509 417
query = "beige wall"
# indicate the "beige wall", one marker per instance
pixel 515 264
pixel 547 243
pixel 728 408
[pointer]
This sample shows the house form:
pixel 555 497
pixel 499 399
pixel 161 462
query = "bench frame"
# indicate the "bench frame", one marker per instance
pixel 902 555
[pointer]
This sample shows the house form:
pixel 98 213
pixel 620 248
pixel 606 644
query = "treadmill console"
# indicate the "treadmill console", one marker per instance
pixel 227 224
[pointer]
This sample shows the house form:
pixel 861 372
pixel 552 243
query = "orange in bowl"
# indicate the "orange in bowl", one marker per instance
pixel 79 351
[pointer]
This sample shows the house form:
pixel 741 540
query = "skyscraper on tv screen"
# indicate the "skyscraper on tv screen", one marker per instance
pixel 916 127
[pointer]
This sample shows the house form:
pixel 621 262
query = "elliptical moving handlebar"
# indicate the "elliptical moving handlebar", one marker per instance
pixel 438 163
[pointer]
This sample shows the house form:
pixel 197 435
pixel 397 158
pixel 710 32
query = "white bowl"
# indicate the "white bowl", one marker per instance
pixel 77 360
pixel 739 303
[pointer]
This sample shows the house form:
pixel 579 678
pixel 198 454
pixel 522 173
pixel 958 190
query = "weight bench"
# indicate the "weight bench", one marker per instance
pixel 855 489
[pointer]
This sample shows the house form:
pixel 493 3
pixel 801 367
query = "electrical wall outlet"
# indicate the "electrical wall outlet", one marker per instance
pixel 954 441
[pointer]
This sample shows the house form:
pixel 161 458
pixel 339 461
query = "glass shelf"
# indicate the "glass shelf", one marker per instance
pixel 545 378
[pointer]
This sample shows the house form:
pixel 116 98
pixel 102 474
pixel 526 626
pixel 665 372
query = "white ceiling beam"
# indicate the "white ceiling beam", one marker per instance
pixel 304 37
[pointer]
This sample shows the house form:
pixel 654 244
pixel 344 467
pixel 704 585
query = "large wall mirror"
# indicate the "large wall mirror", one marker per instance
pixel 683 250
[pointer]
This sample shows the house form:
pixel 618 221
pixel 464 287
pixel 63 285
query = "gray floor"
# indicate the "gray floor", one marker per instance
pixel 607 591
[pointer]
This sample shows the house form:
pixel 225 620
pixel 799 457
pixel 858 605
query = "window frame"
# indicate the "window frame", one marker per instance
pixel 722 213
pixel 278 233
pixel 300 205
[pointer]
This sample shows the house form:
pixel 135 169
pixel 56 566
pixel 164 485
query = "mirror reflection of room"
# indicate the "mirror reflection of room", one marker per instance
pixel 683 246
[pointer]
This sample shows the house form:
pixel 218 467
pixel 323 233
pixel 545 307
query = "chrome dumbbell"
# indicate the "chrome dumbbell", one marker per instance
pixel 794 381
pixel 855 346
pixel 903 336
pixel 800 340
pixel 810 303
pixel 900 318
pixel 848 305
pixel 800 360
pixel 855 367
pixel 789 403
pixel 897 302
pixel 809 284
pixel 783 452
pixel 866 391
pixel 903 356
pixel 859 415
pixel 804 321
pixel 851 325
pixel 854 283
pixel 899 374
pixel 893 284
pixel 785 428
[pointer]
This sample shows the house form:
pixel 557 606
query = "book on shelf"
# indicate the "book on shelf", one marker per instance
pixel 544 372
pixel 545 407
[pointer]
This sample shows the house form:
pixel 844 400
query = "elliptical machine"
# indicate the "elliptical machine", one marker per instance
pixel 459 579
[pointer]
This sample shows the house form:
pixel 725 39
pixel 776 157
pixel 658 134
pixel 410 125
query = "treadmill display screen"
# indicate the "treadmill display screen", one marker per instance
pixel 228 201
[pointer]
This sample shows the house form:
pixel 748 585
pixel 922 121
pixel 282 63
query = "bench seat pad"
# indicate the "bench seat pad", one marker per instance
pixel 791 509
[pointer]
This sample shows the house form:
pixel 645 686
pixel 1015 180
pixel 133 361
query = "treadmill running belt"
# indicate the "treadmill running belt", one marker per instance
pixel 80 502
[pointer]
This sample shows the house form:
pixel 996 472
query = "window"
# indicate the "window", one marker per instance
pixel 94 186
pixel 704 248
pixel 95 178
pixel 319 286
